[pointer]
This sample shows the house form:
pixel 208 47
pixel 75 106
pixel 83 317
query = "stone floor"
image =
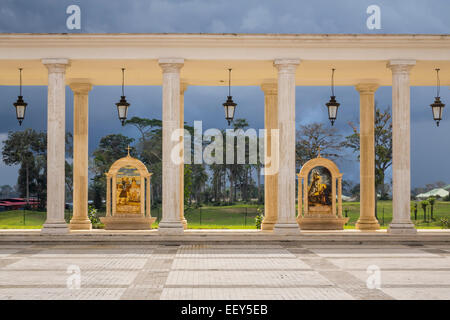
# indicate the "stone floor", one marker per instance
pixel 215 271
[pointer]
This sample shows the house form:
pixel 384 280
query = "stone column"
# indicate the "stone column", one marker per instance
pixel 183 88
pixel 108 196
pixel 401 174
pixel 340 196
pixel 286 223
pixel 171 215
pixel 80 220
pixel 56 131
pixel 367 220
pixel 270 88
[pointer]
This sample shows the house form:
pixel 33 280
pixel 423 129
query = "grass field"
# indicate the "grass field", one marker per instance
pixel 240 216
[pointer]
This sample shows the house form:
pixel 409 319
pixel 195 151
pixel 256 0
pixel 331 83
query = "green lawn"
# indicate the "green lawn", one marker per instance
pixel 384 213
pixel 22 219
pixel 240 216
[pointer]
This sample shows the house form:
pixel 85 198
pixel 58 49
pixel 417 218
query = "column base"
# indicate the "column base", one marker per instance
pixel 184 223
pixel 55 228
pixel 267 225
pixel 171 227
pixel 402 228
pixel 367 224
pixel 286 228
pixel 80 224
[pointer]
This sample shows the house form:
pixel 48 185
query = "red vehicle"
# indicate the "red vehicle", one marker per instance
pixel 17 203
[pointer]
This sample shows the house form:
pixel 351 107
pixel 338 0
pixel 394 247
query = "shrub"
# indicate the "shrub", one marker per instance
pixel 259 218
pixel 92 214
pixel 444 223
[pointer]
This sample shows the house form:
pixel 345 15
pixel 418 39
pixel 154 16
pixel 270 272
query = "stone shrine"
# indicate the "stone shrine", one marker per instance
pixel 317 196
pixel 128 196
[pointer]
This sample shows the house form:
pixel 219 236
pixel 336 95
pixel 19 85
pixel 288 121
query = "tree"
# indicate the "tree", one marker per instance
pixel 69 166
pixel 111 148
pixel 431 201
pixel 355 191
pixel 28 149
pixel 424 204
pixel 199 179
pixel 383 147
pixel 314 137
pixel 6 191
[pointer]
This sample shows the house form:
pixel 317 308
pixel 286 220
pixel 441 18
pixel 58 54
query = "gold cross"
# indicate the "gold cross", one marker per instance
pixel 318 152
pixel 128 148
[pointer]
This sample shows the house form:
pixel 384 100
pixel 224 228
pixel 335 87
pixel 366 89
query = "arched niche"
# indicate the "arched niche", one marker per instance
pixel 128 195
pixel 319 185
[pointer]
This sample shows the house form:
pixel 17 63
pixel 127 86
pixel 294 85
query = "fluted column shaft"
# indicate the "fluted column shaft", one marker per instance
pixel 171 171
pixel 183 88
pixel 270 89
pixel 286 223
pixel 80 220
pixel 56 131
pixel 367 220
pixel 401 168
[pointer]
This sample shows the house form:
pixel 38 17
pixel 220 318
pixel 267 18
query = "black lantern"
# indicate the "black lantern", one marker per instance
pixel 20 105
pixel 122 105
pixel 437 106
pixel 229 105
pixel 332 105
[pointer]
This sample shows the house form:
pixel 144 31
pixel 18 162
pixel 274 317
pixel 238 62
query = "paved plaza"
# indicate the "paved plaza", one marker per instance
pixel 219 271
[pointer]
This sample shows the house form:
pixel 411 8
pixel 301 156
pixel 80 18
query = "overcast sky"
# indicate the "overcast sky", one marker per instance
pixel 430 146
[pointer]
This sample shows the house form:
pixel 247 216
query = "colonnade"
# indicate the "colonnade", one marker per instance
pixel 280 213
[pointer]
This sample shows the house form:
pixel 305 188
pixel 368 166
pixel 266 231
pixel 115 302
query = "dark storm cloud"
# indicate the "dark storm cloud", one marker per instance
pixel 259 16
pixel 429 145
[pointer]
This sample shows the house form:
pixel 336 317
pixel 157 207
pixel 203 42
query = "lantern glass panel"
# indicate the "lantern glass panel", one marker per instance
pixel 20 111
pixel 123 110
pixel 437 112
pixel 332 111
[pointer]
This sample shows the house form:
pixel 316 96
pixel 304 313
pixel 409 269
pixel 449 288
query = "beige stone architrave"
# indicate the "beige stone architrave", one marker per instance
pixel 305 219
pixel 123 221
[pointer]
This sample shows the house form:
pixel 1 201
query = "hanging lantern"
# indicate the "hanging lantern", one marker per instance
pixel 20 105
pixel 122 105
pixel 437 106
pixel 332 105
pixel 229 105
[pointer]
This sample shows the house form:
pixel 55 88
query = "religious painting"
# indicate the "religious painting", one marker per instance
pixel 128 190
pixel 319 187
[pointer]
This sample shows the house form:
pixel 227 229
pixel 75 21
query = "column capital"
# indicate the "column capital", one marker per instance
pixel 286 65
pixel 171 65
pixel 80 87
pixel 367 86
pixel 56 65
pixel 183 86
pixel 401 65
pixel 269 87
